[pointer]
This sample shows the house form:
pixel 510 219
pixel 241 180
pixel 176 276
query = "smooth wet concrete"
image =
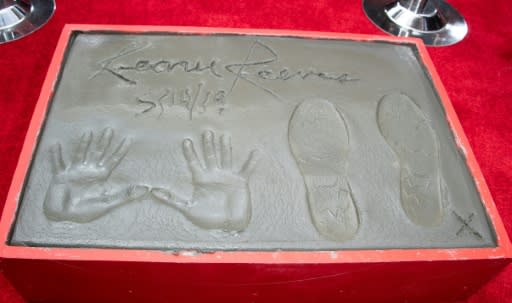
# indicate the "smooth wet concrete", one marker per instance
pixel 188 142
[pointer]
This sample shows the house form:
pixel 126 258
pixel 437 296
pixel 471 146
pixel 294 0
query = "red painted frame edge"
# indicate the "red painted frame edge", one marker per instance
pixel 502 251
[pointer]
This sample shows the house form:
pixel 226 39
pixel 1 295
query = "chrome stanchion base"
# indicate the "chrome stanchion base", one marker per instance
pixel 19 18
pixel 434 21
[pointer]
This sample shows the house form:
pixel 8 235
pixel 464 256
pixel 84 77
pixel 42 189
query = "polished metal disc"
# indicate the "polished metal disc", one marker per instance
pixel 19 18
pixel 434 21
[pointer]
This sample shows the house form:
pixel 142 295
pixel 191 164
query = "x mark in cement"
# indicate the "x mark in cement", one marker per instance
pixel 466 226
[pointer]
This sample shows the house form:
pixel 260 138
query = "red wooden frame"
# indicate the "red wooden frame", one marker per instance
pixel 503 250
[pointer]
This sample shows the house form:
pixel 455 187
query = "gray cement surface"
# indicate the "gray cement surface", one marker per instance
pixel 247 143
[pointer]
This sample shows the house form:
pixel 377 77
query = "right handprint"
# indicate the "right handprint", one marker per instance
pixel 221 198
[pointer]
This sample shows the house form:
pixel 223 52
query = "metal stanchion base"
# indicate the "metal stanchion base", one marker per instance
pixel 19 18
pixel 437 24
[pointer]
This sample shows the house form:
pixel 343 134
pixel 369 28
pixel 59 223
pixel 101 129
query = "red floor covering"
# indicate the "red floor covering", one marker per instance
pixel 477 74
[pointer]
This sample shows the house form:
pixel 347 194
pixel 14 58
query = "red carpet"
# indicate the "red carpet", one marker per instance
pixel 477 74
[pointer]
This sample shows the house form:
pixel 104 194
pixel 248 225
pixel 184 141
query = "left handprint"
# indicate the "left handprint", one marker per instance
pixel 76 191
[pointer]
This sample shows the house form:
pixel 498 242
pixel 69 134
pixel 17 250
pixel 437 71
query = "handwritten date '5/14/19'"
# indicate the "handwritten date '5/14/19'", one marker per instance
pixel 193 98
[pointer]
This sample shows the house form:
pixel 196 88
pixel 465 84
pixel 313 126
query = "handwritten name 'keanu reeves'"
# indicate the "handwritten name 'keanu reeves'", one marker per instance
pixel 259 69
